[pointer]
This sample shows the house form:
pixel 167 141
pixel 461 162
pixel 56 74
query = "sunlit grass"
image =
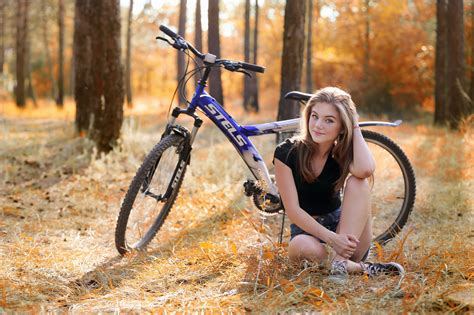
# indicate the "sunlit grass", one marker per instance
pixel 59 203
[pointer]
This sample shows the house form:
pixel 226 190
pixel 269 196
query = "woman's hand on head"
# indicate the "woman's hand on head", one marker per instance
pixel 344 244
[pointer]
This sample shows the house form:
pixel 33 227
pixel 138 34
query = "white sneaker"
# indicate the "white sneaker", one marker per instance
pixel 390 268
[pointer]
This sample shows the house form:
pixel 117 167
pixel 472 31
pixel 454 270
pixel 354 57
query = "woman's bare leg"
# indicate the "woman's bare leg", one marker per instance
pixel 306 247
pixel 356 219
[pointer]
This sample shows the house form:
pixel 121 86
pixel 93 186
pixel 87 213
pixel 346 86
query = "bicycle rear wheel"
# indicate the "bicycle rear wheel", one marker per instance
pixel 151 194
pixel 394 187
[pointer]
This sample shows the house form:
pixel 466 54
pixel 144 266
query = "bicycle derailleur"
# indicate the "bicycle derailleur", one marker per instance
pixel 266 203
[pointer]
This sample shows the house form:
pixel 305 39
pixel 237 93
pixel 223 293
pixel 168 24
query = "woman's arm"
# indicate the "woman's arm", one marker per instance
pixel 343 244
pixel 287 188
pixel 363 164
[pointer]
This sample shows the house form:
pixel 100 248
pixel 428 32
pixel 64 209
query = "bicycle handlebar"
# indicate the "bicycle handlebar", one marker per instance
pixel 168 32
pixel 181 44
pixel 252 67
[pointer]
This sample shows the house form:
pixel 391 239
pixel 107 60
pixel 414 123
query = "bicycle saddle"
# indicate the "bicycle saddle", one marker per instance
pixel 298 96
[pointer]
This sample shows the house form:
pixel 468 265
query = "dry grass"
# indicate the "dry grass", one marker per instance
pixel 59 205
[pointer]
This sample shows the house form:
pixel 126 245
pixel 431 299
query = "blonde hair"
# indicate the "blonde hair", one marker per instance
pixel 343 147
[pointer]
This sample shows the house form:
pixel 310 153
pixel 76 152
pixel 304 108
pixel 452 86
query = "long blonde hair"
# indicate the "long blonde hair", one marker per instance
pixel 343 147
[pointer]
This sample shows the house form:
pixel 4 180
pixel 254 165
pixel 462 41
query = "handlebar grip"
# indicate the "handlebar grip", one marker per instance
pixel 168 32
pixel 252 67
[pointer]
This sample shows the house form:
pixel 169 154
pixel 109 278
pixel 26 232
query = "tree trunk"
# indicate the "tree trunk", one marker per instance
pixel 198 33
pixel 128 61
pixel 254 90
pixel 72 77
pixel 60 98
pixel 215 83
pixel 309 49
pixel 440 63
pixel 367 43
pixel 247 55
pixel 181 61
pixel 457 102
pixel 2 34
pixel 31 88
pixel 108 91
pixel 292 59
pixel 21 34
pixel 82 55
pixel 472 59
pixel 44 23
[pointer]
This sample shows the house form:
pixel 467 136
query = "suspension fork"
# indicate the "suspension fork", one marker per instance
pixel 184 154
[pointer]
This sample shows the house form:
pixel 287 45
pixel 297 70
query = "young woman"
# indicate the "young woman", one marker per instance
pixel 311 170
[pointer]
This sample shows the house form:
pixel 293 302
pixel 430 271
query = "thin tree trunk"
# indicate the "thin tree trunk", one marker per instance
pixel 440 64
pixel 255 103
pixel 21 31
pixel 128 61
pixel 82 56
pixel 247 80
pixel 215 82
pixel 457 102
pixel 31 88
pixel 198 33
pixel 472 59
pixel 367 43
pixel 181 60
pixel 72 76
pixel 60 98
pixel 44 16
pixel 2 34
pixel 292 60
pixel 309 49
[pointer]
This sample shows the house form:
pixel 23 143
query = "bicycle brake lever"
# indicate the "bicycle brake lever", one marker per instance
pixel 180 44
pixel 164 39
pixel 245 72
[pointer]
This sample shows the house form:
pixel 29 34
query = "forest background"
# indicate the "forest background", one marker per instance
pixel 60 197
pixel 382 52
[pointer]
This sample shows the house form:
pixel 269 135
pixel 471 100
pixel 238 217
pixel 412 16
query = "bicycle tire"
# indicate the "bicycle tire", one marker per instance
pixel 409 183
pixel 170 144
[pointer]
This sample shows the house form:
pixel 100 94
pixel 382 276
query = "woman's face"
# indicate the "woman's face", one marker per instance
pixel 324 123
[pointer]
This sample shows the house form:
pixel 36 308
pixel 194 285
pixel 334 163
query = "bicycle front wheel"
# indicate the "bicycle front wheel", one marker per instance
pixel 394 187
pixel 151 194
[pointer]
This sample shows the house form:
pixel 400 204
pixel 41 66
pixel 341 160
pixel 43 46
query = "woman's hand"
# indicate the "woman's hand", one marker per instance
pixel 344 244
pixel 355 118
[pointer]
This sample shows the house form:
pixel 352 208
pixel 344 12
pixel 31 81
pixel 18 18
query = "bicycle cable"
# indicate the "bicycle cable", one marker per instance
pixel 177 90
pixel 182 90
pixel 184 79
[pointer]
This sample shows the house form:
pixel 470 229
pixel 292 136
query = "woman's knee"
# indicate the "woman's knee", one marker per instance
pixel 301 247
pixel 356 184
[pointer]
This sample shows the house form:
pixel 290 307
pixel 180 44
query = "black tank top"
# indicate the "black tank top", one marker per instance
pixel 318 197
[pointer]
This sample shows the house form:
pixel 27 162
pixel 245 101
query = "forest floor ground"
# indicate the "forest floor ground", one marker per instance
pixel 59 203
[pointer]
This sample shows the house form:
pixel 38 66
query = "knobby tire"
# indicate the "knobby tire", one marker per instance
pixel 127 205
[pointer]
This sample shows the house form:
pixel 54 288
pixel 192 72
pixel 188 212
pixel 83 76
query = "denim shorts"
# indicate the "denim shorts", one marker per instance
pixel 329 221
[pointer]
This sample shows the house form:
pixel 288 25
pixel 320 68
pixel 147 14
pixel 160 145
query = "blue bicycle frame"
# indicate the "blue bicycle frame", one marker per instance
pixel 239 135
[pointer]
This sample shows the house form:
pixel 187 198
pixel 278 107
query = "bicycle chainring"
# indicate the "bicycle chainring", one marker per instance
pixel 265 206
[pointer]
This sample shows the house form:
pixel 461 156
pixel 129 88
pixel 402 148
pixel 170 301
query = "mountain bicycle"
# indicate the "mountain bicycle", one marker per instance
pixel 155 186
